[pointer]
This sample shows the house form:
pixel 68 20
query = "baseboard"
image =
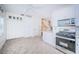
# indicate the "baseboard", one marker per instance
pixel 24 37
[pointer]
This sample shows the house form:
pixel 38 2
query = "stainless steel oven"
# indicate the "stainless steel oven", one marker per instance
pixel 67 44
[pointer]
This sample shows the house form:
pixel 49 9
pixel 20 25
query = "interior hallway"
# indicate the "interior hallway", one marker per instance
pixel 32 45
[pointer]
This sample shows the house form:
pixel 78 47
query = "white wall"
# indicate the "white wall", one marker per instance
pixel 28 26
pixel 21 28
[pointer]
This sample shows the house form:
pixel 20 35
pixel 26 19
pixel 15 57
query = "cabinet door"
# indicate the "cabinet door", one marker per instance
pixel 47 37
pixel 77 22
pixel 77 40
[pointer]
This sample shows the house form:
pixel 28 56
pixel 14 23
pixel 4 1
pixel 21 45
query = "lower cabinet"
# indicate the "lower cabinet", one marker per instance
pixel 48 37
pixel 77 40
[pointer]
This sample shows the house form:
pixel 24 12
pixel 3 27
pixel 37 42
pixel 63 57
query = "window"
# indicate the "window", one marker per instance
pixel 10 17
pixel 20 18
pixel 13 17
pixel 17 17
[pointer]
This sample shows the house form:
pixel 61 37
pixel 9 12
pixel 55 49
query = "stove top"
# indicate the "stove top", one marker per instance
pixel 66 34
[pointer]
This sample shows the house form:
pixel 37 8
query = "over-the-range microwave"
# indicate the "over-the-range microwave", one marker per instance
pixel 68 21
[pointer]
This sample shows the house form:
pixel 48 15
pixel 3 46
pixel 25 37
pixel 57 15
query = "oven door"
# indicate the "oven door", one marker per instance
pixel 67 44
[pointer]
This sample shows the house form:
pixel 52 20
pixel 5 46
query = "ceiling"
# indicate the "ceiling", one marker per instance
pixel 32 8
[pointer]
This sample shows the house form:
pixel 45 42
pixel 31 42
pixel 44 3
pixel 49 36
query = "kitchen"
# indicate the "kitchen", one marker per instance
pixel 57 25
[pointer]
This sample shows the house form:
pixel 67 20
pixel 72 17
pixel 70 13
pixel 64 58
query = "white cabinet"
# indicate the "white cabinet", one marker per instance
pixel 77 40
pixel 48 37
pixel 77 22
